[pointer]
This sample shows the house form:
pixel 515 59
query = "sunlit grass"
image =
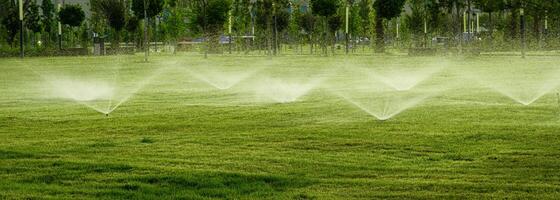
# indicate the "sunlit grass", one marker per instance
pixel 179 136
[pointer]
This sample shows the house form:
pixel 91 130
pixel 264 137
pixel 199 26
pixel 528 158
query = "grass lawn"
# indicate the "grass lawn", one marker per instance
pixel 292 127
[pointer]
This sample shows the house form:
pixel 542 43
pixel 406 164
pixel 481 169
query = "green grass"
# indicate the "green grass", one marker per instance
pixel 179 138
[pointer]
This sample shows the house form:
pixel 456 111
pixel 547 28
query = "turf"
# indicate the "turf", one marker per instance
pixel 177 137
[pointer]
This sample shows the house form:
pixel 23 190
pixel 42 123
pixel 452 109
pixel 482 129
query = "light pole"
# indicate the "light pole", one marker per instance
pixel 477 23
pixel 274 31
pixel 425 33
pixel 523 45
pixel 21 53
pixel 469 25
pixel 545 31
pixel 146 22
pixel 59 28
pixel 346 28
pixel 398 26
pixel 229 30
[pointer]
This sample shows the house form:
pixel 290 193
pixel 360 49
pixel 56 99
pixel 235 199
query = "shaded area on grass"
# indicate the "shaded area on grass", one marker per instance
pixel 7 154
pixel 122 181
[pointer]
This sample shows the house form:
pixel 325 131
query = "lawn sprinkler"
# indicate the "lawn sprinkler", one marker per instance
pixel 106 114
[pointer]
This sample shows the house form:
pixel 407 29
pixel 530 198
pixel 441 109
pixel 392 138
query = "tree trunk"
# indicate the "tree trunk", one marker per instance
pixel 491 25
pixel 536 26
pixel 275 34
pixel 334 44
pixel 206 44
pixel 380 35
pixel 310 44
pixel 116 40
pixel 513 24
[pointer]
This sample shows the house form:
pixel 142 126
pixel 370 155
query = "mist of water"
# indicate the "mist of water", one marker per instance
pixel 283 91
pixel 403 79
pixel 222 79
pixel 126 95
pixel 397 74
pixel 384 105
pixel 387 92
pixel 102 94
pixel 91 93
pixel 524 86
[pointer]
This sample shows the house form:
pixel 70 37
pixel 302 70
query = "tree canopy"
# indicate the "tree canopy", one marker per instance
pixel 209 15
pixel 114 12
pixel 153 8
pixel 388 9
pixel 71 14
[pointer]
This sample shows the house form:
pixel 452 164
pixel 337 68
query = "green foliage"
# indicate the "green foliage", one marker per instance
pixel 449 5
pixel 490 5
pixel 5 4
pixel 174 24
pixel 171 3
pixel 335 22
pixel 424 11
pixel 132 24
pixel 362 21
pixel 263 14
pixel 209 15
pixel 388 9
pixel 153 8
pixel 71 14
pixel 385 9
pixel 324 8
pixel 32 17
pixel 11 21
pixel 282 19
pixel 241 13
pixel 114 12
pixel 307 22
pixel 47 15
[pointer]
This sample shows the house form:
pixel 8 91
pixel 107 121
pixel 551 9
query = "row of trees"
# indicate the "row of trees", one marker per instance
pixel 318 23
pixel 40 21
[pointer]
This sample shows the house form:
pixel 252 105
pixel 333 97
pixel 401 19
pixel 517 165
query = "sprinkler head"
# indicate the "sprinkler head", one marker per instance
pixel 106 114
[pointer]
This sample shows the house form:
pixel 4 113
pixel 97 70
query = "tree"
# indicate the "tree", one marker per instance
pixel 47 20
pixel 490 6
pixel 131 27
pixel 241 13
pixel 513 6
pixel 11 22
pixel 335 22
pixel 32 17
pixel 151 8
pixel 71 15
pixel 425 16
pixel 454 8
pixel 114 12
pixel 280 18
pixel 307 23
pixel 264 13
pixel 325 9
pixel 385 9
pixel 208 18
pixel 5 4
pixel 362 23
pixel 174 25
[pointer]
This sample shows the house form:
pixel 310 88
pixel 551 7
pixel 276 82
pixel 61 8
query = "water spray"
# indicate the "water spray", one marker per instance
pixel 558 101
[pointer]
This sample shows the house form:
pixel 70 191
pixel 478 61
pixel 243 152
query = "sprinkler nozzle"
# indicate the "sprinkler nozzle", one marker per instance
pixel 106 114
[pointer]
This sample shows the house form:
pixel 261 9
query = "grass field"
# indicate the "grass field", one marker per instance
pixel 292 127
